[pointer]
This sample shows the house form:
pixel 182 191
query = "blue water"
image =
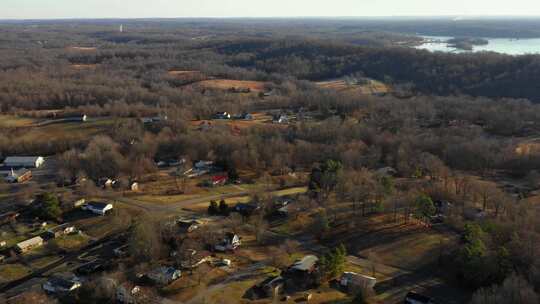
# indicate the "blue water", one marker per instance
pixel 499 45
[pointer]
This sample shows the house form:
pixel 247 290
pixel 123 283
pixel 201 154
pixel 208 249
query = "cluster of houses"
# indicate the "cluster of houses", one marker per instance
pixel 304 274
pixel 38 241
pixel 226 115
pixel 17 169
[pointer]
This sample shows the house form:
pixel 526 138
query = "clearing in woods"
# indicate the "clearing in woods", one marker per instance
pixel 227 84
pixel 371 87
pixel 83 66
pixel 81 48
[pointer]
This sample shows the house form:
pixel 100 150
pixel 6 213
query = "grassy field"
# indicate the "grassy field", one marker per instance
pixel 58 132
pixel 10 272
pixel 226 84
pixel 12 121
pixel 372 87
pixel 71 242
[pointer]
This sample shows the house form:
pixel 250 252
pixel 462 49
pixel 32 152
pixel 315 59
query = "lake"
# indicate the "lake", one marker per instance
pixel 499 45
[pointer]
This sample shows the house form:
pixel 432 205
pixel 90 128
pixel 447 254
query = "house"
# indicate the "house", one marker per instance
pixel 128 293
pixel 154 119
pixel 443 207
pixel 98 207
pixel 416 298
pixel 281 119
pixel 244 116
pixel 106 182
pixel 354 281
pixel 24 161
pixel 386 171
pixel 187 226
pixel 121 251
pixel 230 242
pixel 272 286
pixel 164 275
pixel 246 209
pixel 219 180
pixel 221 115
pixel 29 244
pixel 474 213
pixel 59 231
pixel 79 203
pixel 302 274
pixel 204 165
pixel 18 176
pixel 60 285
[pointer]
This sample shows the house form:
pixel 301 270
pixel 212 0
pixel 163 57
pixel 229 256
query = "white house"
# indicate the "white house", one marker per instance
pixel 230 242
pixel 29 244
pixel 98 207
pixel 24 161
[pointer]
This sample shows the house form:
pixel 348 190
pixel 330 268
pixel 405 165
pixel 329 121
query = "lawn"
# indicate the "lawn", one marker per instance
pixel 71 242
pixel 12 121
pixel 10 272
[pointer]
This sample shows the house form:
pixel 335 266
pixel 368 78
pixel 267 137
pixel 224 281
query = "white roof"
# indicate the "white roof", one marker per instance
pixel 30 242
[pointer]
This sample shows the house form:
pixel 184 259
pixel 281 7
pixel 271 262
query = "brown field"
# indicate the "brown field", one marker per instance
pixel 82 48
pixel 373 87
pixel 183 74
pixel 12 121
pixel 83 66
pixel 527 147
pixel 226 84
pixel 235 125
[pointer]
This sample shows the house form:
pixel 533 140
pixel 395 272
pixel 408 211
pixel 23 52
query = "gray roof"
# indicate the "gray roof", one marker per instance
pixel 19 159
pixel 306 263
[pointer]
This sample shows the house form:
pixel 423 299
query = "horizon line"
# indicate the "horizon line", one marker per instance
pixel 465 16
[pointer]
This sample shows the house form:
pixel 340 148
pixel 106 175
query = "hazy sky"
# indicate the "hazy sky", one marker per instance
pixel 30 9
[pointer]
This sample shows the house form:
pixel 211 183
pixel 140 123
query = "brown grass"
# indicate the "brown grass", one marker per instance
pixel 83 66
pixel 226 84
pixel 82 49
pixel 373 87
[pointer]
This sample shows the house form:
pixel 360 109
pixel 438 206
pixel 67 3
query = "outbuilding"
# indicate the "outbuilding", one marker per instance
pixel 24 161
pixel 98 207
pixel 29 244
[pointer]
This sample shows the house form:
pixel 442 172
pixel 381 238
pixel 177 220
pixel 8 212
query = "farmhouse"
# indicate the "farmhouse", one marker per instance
pixel 187 226
pixel 219 180
pixel 231 241
pixel 164 275
pixel 222 115
pixel 24 161
pixel 127 292
pixel 302 274
pixel 59 231
pixel 98 207
pixel 60 285
pixel 281 119
pixel 29 244
pixel 18 176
